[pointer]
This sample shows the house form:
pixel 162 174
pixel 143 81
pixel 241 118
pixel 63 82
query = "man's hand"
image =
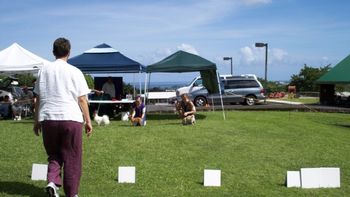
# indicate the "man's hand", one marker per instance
pixel 37 128
pixel 88 129
pixel 83 103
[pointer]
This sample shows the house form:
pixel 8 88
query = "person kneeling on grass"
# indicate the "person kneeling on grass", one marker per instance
pixel 138 113
pixel 186 110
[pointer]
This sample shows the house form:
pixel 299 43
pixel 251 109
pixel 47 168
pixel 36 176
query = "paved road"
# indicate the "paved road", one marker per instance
pixel 258 107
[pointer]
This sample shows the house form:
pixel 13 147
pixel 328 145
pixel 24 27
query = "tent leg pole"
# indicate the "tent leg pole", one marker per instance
pixel 149 82
pixel 222 103
pixel 140 82
pixel 145 90
pixel 212 102
pixel 133 82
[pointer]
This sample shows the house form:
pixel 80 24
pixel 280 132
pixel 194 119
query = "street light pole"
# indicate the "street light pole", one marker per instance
pixel 259 44
pixel 229 58
pixel 266 51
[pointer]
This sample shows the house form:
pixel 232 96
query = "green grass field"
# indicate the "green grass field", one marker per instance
pixel 254 150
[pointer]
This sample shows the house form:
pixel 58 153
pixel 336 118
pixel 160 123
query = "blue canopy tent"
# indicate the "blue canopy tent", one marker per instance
pixel 103 59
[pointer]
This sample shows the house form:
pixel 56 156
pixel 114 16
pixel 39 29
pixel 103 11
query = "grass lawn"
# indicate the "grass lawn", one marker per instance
pixel 254 150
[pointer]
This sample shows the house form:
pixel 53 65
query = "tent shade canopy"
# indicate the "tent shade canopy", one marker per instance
pixel 105 59
pixel 339 74
pixel 17 59
pixel 181 61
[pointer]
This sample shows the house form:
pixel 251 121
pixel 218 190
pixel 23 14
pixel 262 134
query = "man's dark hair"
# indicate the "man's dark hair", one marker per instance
pixel 61 47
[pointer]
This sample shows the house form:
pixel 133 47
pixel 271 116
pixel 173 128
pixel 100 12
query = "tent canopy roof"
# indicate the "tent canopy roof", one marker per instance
pixel 105 59
pixel 17 59
pixel 339 74
pixel 181 61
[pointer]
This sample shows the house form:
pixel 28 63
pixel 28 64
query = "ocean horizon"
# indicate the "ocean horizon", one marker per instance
pixel 173 85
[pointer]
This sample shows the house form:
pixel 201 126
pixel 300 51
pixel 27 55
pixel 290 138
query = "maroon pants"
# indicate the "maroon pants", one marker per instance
pixel 63 145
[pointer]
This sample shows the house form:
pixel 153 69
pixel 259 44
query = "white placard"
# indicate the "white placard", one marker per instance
pixel 39 172
pixel 320 177
pixel 293 178
pixel 212 178
pixel 126 174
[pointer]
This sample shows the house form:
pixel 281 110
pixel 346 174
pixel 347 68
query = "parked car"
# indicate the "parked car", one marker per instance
pixel 244 89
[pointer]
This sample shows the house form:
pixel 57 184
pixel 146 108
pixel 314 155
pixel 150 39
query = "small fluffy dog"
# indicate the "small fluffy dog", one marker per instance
pixel 189 120
pixel 101 120
pixel 17 118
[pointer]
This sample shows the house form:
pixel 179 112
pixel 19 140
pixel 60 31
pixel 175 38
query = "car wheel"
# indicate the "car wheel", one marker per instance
pixel 250 100
pixel 200 101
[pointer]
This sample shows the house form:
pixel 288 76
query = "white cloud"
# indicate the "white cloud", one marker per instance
pixel 161 53
pixel 253 55
pixel 188 48
pixel 144 18
pixel 255 2
pixel 247 54
pixel 278 54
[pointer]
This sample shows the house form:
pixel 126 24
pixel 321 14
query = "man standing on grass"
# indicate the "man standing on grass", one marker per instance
pixel 60 112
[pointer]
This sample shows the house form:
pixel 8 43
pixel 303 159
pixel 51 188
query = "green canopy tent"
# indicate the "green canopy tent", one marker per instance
pixel 339 74
pixel 182 61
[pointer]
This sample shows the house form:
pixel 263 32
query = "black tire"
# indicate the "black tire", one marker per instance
pixel 250 100
pixel 200 101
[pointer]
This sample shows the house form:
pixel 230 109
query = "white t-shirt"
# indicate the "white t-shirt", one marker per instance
pixel 59 85
pixel 109 88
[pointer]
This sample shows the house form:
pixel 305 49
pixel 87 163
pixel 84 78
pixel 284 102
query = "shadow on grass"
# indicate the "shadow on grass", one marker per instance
pixel 342 125
pixel 170 117
pixel 22 122
pixel 23 189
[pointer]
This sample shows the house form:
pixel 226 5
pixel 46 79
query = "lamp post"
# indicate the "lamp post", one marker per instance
pixel 229 58
pixel 259 44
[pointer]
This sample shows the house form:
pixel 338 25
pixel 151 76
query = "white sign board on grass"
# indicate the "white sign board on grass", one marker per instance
pixel 293 178
pixel 320 177
pixel 212 178
pixel 39 172
pixel 126 174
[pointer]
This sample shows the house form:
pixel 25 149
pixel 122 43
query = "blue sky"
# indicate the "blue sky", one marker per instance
pixel 299 32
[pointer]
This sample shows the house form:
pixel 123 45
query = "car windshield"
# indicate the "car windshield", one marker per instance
pixel 199 82
pixel 193 81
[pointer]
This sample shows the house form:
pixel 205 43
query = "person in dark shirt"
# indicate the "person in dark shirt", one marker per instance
pixel 186 110
pixel 138 113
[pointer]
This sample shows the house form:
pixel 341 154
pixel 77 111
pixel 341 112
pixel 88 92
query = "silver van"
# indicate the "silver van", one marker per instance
pixel 244 89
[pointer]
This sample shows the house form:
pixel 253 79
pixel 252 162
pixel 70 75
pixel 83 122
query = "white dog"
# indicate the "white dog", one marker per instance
pixel 17 118
pixel 101 120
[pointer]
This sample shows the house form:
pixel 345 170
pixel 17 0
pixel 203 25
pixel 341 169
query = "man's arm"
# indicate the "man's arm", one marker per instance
pixel 132 114
pixel 143 112
pixel 193 110
pixel 37 125
pixel 83 103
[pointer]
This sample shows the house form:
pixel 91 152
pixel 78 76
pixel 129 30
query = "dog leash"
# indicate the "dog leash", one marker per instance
pixel 99 104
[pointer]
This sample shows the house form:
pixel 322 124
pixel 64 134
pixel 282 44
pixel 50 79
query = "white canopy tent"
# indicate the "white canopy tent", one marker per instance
pixel 16 59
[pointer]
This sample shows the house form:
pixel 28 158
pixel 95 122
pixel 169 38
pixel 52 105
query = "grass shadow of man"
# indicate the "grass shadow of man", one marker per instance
pixel 19 188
